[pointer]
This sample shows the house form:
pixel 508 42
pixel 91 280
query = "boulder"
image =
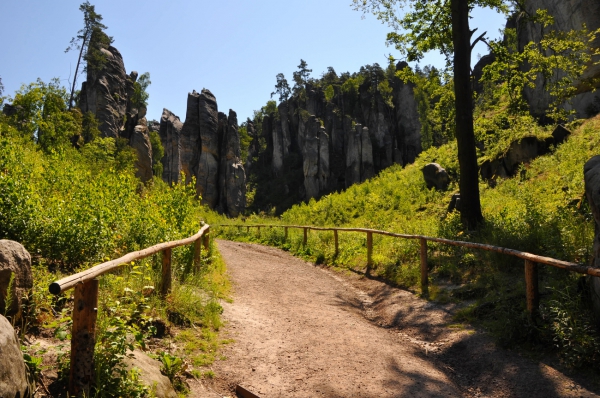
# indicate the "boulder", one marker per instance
pixel 170 137
pixel 454 203
pixel 15 262
pixel 560 134
pixel 522 151
pixel 14 380
pixel 591 174
pixel 150 374
pixel 435 176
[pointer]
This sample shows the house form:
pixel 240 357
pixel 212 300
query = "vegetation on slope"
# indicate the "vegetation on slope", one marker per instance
pixel 73 208
pixel 542 210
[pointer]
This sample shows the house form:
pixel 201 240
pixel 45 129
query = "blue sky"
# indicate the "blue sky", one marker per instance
pixel 232 47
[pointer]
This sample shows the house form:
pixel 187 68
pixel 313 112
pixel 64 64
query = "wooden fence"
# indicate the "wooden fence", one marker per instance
pixel 83 331
pixel 531 260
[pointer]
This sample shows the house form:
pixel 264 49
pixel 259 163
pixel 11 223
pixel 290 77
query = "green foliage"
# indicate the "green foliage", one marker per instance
pixel 140 96
pixel 173 367
pixel 282 88
pixel 158 152
pixel 245 140
pixel 94 57
pixel 559 59
pixel 90 127
pixel 301 76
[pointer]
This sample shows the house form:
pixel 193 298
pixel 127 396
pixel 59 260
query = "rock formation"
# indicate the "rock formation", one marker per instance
pixel 568 15
pixel 345 139
pixel 207 147
pixel 108 94
pixel 15 263
pixel 435 177
pixel 13 374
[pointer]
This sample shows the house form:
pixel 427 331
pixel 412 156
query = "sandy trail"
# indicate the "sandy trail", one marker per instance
pixel 304 331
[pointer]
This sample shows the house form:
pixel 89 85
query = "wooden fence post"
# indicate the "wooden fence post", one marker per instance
pixel 258 231
pixel 166 272
pixel 424 270
pixel 197 250
pixel 83 338
pixel 247 229
pixel 369 252
pixel 206 241
pixel 335 238
pixel 305 237
pixel 532 291
pixel 286 232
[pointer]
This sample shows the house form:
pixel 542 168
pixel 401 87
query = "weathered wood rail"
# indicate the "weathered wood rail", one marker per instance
pixel 531 260
pixel 83 331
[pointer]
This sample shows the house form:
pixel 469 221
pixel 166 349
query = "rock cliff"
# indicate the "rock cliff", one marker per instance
pixel 107 93
pixel 207 147
pixel 342 138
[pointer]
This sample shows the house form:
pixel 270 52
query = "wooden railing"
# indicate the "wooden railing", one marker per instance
pixel 531 260
pixel 83 331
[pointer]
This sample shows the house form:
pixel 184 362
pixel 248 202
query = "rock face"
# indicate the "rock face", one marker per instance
pixel 568 15
pixel 520 152
pixel 104 93
pixel 170 136
pixel 435 176
pixel 15 261
pixel 591 172
pixel 108 94
pixel 150 374
pixel 13 375
pixel 206 147
pixel 344 139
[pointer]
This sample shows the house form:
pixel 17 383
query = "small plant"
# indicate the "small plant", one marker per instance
pixel 173 367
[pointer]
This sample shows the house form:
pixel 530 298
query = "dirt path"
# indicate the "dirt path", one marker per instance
pixel 303 331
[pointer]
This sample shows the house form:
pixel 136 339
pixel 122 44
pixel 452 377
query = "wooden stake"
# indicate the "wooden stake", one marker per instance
pixel 259 232
pixel 166 272
pixel 424 270
pixel 305 236
pixel 532 289
pixel 83 340
pixel 369 252
pixel 335 238
pixel 197 250
pixel 286 232
pixel 206 241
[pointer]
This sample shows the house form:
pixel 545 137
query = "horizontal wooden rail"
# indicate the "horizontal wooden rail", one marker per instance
pixel 531 260
pixel 100 269
pixel 83 331
pixel 573 267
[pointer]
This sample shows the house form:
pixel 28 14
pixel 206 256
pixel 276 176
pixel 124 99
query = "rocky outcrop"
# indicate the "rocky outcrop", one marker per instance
pixel 150 374
pixel 591 173
pixel 170 137
pixel 436 177
pixel 344 139
pixel 568 15
pixel 520 152
pixel 207 170
pixel 15 264
pixel 108 94
pixel 206 147
pixel 233 187
pixel 13 374
pixel 104 93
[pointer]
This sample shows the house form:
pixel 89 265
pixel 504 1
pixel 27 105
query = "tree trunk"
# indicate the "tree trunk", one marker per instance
pixel 465 137
pixel 77 70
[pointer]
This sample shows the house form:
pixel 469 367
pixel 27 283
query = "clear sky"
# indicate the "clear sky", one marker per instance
pixel 232 47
